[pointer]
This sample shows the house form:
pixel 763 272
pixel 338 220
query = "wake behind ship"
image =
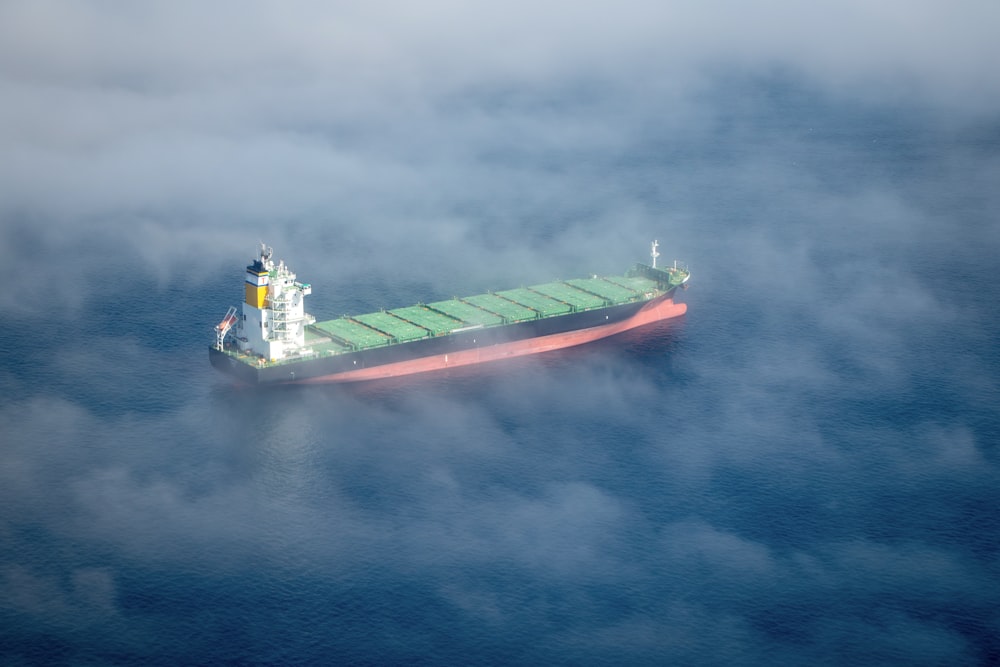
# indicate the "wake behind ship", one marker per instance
pixel 271 339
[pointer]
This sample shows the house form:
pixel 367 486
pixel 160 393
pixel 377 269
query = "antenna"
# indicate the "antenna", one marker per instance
pixel 653 253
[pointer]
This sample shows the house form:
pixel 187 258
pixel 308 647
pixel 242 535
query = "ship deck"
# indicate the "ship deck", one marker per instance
pixel 399 325
pixel 353 333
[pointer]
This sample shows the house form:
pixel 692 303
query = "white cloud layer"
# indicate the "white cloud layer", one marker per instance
pixel 807 450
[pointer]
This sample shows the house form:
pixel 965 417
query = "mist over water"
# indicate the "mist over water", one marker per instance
pixel 803 470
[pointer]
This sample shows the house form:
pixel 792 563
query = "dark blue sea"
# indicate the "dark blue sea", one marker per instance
pixel 803 470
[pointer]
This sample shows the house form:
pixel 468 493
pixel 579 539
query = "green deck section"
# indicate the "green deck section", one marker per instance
pixel 605 288
pixel 352 334
pixel 399 329
pixel 515 305
pixel 437 323
pixel 637 283
pixel 543 304
pixel 323 342
pixel 470 315
pixel 511 312
pixel 566 293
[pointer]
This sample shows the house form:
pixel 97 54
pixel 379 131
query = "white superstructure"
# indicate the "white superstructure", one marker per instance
pixel 273 320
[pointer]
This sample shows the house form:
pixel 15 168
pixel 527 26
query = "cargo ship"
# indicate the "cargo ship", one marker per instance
pixel 271 339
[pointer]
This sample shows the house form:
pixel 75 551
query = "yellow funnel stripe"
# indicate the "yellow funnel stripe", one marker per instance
pixel 256 295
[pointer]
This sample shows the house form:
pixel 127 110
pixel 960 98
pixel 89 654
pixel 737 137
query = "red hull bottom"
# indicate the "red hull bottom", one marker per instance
pixel 654 311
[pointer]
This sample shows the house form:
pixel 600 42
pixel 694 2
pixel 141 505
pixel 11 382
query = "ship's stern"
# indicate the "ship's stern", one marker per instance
pixel 232 366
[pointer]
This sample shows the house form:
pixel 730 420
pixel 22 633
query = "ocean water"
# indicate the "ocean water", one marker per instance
pixel 803 470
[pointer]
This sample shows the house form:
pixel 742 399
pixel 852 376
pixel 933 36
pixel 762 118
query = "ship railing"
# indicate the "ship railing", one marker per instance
pixel 665 277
